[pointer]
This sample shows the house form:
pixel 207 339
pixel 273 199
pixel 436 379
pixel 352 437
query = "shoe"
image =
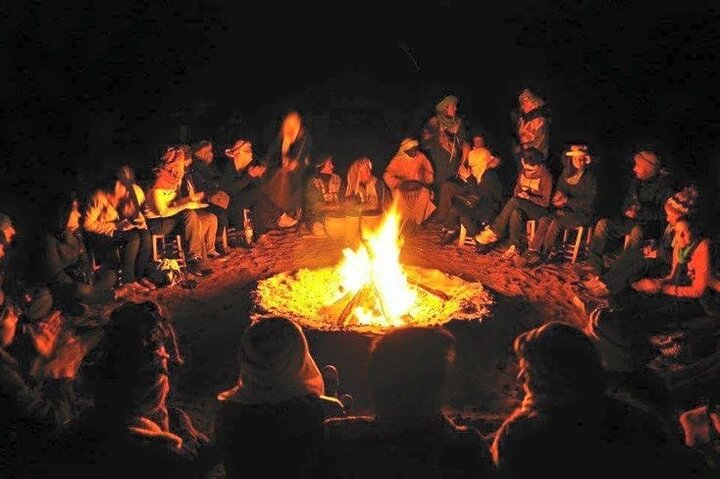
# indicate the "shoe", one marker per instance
pixel 448 237
pixel 138 287
pixel 148 284
pixel 195 267
pixel 482 248
pixel 286 221
pixel 486 236
pixel 214 255
pixel 596 286
pixel 510 253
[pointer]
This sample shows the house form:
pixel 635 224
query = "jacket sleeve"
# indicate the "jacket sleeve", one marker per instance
pixel 164 208
pixel 654 212
pixel 390 176
pixel 54 271
pixel 94 223
pixel 47 411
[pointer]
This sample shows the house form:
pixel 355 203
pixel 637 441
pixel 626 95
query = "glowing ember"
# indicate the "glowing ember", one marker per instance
pixel 370 290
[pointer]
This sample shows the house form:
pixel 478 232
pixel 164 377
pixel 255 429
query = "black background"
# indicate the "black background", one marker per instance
pixel 88 86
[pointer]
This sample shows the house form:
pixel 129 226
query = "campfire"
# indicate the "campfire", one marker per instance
pixel 370 290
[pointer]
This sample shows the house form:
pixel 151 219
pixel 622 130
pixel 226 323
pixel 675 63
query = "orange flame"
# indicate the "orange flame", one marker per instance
pixel 377 264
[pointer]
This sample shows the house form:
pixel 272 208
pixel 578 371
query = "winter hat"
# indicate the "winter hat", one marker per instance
pixel 684 202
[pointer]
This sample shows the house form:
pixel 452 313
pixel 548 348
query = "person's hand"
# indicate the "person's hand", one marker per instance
pixel 647 286
pixel 45 335
pixel 650 252
pixel 256 171
pixel 559 199
pixel 125 225
pixel 523 195
pixel 631 212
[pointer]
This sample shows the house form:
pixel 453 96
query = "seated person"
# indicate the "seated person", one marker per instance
pixel 642 209
pixel 33 412
pixel 453 186
pixel 203 174
pixel 567 421
pixel 409 175
pixel 322 195
pixel 408 435
pixel 119 240
pixel 278 404
pixel 530 201
pixel 574 202
pixel 363 190
pixel 132 431
pixel 479 199
pixel 166 210
pixel 654 259
pixel 242 180
pixel 65 264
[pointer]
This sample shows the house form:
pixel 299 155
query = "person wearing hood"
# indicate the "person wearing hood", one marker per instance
pixel 481 197
pixel 530 201
pixel 443 138
pixel 362 189
pixel 409 175
pixel 278 403
pixel 574 202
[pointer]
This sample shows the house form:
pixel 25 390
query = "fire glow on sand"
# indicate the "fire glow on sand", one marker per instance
pixel 370 290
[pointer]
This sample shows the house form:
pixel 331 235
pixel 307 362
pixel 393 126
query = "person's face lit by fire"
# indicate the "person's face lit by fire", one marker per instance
pixel 364 173
pixel 8 326
pixel 8 233
pixel 643 170
pixel 73 221
pixel 242 155
pixel 579 162
pixel 683 234
pixel 291 126
pixel 671 216
pixel 451 110
pixel 328 167
pixel 206 153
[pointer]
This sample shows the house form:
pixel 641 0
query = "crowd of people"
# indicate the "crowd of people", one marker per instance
pixel 593 399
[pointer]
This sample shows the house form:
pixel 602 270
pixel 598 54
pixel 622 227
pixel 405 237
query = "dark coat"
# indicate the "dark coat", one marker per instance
pixel 417 447
pixel 289 429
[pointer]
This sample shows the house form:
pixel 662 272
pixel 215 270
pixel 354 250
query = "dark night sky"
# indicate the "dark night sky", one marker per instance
pixel 87 86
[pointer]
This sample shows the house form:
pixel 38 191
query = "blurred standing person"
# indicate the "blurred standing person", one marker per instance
pixel 532 124
pixel 287 160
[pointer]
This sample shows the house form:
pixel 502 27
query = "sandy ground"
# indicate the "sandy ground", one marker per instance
pixel 211 318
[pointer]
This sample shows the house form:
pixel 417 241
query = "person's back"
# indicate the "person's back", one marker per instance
pixel 615 437
pixel 408 436
pixel 367 447
pixel 290 428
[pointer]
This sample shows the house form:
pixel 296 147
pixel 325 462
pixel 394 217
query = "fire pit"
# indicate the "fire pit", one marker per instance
pixel 370 290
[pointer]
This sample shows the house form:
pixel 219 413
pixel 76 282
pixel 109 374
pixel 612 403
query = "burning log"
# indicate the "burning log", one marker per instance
pixel 428 289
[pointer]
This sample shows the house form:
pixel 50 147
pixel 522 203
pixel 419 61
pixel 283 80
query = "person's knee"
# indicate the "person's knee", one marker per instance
pixel 602 227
